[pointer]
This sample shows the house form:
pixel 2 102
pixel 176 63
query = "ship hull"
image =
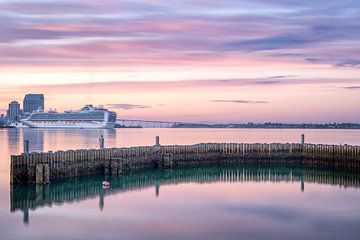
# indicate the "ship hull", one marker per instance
pixel 69 125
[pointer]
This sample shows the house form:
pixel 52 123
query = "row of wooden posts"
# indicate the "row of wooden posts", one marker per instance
pixel 102 143
pixel 43 168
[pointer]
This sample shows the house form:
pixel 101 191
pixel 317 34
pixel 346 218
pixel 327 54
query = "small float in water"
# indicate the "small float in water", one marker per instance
pixel 106 184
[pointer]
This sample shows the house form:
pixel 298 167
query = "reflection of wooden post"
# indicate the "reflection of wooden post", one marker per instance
pixel 302 184
pixel 157 189
pixel 302 138
pixel 26 216
pixel 102 142
pixel 26 146
pixel 101 200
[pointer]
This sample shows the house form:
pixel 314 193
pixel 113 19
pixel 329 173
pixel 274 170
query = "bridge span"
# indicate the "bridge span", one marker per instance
pixel 139 123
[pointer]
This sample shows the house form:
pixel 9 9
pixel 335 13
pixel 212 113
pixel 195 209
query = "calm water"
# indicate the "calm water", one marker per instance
pixel 223 202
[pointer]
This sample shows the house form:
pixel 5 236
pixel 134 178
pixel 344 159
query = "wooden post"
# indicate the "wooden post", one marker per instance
pixel 26 146
pixel 157 141
pixel 12 169
pixel 102 142
pixel 302 139
pixel 39 174
pixel 46 174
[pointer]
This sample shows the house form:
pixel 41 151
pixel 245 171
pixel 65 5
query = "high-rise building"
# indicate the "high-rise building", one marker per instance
pixel 33 102
pixel 13 111
pixel 2 120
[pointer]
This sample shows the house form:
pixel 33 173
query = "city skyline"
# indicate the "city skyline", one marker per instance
pixel 196 61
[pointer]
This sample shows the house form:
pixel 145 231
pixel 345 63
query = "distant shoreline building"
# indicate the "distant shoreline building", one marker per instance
pixel 33 102
pixel 13 111
pixel 2 120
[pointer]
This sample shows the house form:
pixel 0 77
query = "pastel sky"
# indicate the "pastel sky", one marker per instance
pixel 182 60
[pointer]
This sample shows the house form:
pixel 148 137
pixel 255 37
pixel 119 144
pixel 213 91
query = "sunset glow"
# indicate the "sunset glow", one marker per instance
pixel 196 61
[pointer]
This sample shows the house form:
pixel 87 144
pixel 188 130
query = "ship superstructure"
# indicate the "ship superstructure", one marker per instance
pixel 86 117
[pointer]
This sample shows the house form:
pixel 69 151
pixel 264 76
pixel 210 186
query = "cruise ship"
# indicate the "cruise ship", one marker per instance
pixel 86 117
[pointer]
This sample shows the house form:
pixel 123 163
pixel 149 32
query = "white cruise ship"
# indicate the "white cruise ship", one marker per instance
pixel 86 117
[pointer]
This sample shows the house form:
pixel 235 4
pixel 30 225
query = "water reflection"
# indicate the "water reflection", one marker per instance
pixel 32 197
pixel 36 137
pixel 57 139
pixel 263 203
pixel 16 137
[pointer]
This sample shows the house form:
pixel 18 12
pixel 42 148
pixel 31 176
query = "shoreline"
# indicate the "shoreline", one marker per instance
pixel 262 128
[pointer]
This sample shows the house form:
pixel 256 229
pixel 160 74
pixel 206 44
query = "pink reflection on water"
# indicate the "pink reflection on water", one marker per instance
pixel 62 139
pixel 202 210
pixel 193 210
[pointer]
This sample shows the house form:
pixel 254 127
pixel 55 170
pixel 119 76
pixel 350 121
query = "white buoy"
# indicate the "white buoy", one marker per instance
pixel 106 184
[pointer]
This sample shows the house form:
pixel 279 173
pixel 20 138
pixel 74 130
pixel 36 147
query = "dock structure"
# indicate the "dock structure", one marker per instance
pixel 41 168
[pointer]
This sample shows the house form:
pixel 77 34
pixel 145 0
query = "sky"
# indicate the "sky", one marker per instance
pixel 196 61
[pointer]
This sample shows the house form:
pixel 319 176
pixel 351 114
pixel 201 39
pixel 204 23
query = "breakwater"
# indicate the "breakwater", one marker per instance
pixel 39 168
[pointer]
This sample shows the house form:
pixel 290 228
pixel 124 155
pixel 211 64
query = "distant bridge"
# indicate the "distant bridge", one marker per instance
pixel 147 123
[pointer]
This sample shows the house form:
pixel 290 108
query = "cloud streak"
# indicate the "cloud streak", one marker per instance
pixel 352 87
pixel 239 101
pixel 349 63
pixel 268 82
pixel 126 106
pixel 168 86
pixel 268 43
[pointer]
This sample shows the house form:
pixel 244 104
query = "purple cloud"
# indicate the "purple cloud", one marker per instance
pixel 126 106
pixel 268 43
pixel 349 63
pixel 56 33
pixel 268 82
pixel 352 87
pixel 239 101
pixel 282 76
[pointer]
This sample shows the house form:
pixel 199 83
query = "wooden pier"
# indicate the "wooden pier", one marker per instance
pixel 42 168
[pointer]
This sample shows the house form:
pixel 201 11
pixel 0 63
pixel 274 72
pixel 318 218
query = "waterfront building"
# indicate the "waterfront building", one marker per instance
pixel 13 111
pixel 2 120
pixel 33 102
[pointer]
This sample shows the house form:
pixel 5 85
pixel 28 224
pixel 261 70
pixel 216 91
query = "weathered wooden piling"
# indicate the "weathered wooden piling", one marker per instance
pixel 46 172
pixel 26 146
pixel 39 175
pixel 302 139
pixel 157 141
pixel 102 142
pixel 43 168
